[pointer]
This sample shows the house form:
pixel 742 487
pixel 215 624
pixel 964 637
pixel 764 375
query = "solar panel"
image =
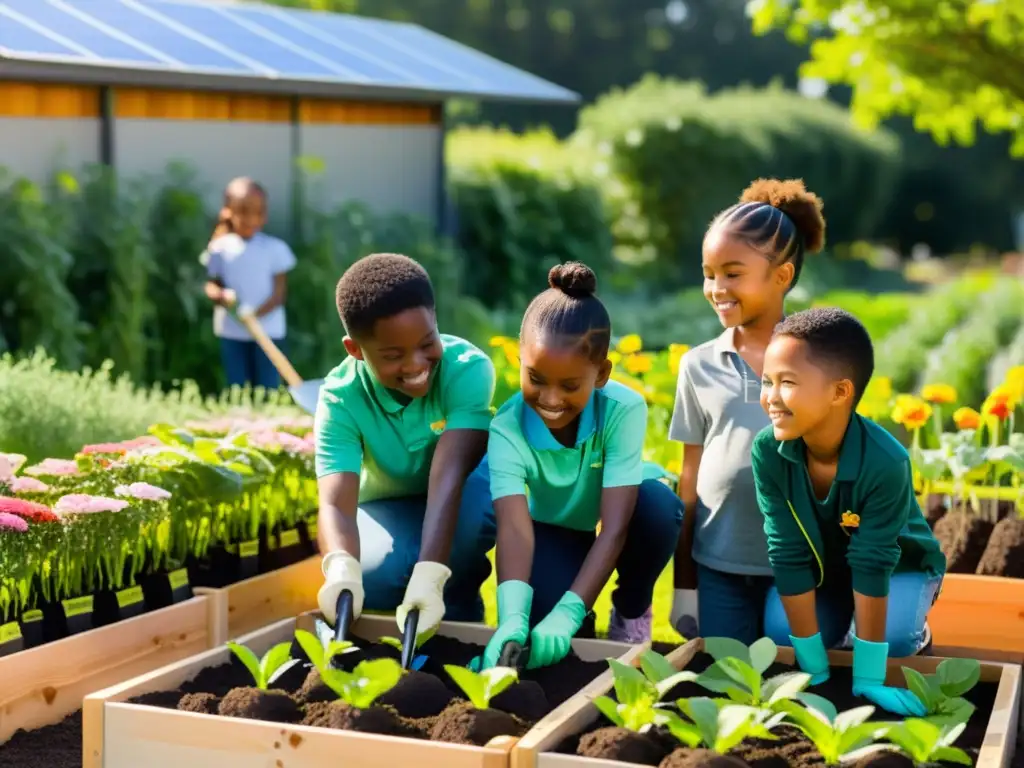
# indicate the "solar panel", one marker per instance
pixel 261 41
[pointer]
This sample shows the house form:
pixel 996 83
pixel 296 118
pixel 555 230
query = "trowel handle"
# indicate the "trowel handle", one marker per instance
pixel 344 611
pixel 270 349
pixel 412 620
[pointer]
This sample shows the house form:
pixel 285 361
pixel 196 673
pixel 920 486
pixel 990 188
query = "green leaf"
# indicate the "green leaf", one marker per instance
pixel 762 654
pixel 631 687
pixel 704 713
pixel 745 675
pixel 734 724
pixel 687 733
pixel 922 688
pixel 784 686
pixel 819 703
pixel 726 648
pixel 336 648
pixel 275 662
pixel 394 642
pixel 610 709
pixel 312 647
pixel 852 718
pixel 668 683
pixel 951 755
pixel 481 687
pixel 361 687
pixel 656 667
pixel 860 736
pixel 250 660
pixel 957 676
pixel 810 721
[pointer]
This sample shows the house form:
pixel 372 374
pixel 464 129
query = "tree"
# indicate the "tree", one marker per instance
pixel 949 64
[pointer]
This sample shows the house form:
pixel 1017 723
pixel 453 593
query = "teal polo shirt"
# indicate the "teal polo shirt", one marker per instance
pixel 564 484
pixel 362 427
pixel 867 528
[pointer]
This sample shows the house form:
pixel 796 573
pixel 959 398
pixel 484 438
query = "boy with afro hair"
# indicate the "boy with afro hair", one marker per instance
pixel 846 537
pixel 405 521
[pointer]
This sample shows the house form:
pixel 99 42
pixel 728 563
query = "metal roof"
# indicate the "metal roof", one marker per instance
pixel 248 46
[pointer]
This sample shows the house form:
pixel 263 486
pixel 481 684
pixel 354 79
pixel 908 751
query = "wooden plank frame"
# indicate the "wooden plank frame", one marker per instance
pixel 997 749
pixel 121 735
pixel 254 603
pixel 982 613
pixel 40 686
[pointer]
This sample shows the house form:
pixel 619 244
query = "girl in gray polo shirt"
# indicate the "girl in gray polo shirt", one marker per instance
pixel 752 256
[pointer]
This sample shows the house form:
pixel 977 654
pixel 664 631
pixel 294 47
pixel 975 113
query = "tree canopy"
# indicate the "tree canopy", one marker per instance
pixel 948 64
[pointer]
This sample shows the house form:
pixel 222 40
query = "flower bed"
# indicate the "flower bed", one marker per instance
pixel 167 718
pixel 131 527
pixel 770 720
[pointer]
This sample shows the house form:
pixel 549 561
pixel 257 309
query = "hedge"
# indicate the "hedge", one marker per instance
pixel 682 155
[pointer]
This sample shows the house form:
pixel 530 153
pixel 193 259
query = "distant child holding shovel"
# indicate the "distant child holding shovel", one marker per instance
pixel 247 269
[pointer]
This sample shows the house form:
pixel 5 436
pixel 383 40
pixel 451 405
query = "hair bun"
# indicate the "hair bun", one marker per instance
pixel 574 279
pixel 796 201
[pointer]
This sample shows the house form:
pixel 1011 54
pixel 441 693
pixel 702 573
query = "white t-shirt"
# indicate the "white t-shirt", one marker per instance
pixel 248 267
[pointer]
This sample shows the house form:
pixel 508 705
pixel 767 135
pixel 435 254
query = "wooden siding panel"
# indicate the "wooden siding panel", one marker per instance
pixel 160 104
pixel 53 100
pixel 367 113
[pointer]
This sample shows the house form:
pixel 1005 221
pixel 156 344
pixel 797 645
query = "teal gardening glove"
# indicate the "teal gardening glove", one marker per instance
pixel 514 601
pixel 869 681
pixel 811 656
pixel 551 639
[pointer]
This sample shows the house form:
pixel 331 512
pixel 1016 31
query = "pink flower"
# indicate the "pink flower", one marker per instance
pixel 16 460
pixel 6 470
pixel 28 485
pixel 119 449
pixel 143 491
pixel 14 523
pixel 53 467
pixel 284 440
pixel 26 510
pixel 83 503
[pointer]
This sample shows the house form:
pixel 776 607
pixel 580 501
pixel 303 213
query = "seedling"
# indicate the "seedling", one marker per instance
pixel 265 671
pixel 361 687
pixel 635 696
pixel 481 687
pixel 839 737
pixel 942 692
pixel 319 656
pixel 737 672
pixel 929 743
pixel 659 670
pixel 719 728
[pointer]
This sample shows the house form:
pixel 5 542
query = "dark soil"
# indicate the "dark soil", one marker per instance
pixel 1004 555
pixel 418 695
pixel 934 508
pixel 700 758
pixel 254 704
pixel 203 703
pixel 462 724
pixel 963 537
pixel 792 750
pixel 56 746
pixel 620 744
pixel 886 759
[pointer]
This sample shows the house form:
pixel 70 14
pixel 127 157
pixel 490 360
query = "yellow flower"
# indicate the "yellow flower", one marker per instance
pixel 500 341
pixel 639 363
pixel 941 394
pixel 850 519
pixel 675 466
pixel 511 350
pixel 966 418
pixel 630 344
pixel 675 355
pixel 879 388
pixel 911 412
pixel 1015 383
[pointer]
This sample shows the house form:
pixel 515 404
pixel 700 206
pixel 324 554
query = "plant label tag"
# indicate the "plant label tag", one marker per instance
pixel 249 548
pixel 289 538
pixel 130 596
pixel 178 579
pixel 11 640
pixel 77 606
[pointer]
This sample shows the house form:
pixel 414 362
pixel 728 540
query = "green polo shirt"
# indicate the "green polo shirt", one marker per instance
pixel 565 483
pixel 363 427
pixel 812 543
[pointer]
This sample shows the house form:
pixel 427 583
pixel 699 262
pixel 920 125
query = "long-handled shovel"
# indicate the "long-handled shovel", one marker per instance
pixel 304 393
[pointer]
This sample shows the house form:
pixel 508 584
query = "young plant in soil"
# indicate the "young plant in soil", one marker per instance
pixel 929 743
pixel 259 702
pixel 474 722
pixel 839 737
pixel 714 729
pixel 942 692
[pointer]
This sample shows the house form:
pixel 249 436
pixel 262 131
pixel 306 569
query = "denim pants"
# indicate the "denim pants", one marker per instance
pixel 731 604
pixel 245 363
pixel 558 555
pixel 911 595
pixel 390 533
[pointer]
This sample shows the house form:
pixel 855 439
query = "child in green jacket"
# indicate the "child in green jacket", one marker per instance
pixel 846 536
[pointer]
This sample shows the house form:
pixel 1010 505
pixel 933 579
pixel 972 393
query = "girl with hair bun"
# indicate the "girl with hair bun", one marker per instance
pixel 753 254
pixel 565 454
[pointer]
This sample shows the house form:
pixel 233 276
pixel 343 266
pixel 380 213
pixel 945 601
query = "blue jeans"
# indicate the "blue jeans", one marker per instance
pixel 390 532
pixel 910 598
pixel 245 363
pixel 731 604
pixel 558 555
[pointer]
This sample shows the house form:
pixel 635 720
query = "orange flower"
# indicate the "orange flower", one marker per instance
pixel 998 404
pixel 850 519
pixel 941 394
pixel 911 412
pixel 966 418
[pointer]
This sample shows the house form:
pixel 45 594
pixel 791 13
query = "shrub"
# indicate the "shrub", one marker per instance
pixel 525 203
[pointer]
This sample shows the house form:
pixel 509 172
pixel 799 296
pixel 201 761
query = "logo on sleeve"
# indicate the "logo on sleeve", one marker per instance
pixel 438 426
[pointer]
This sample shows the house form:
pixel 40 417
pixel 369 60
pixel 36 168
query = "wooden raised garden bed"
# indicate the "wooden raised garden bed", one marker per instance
pixel 138 723
pixel 989 739
pixel 40 686
pixel 262 600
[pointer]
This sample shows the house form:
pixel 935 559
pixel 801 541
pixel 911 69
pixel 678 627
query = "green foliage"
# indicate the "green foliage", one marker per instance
pixel 481 687
pixel 682 156
pixel 364 684
pixel 948 65
pixel 839 738
pixel 929 743
pixel 719 728
pixel 525 203
pixel 737 672
pixel 636 695
pixel 266 670
pixel 319 656
pixel 942 692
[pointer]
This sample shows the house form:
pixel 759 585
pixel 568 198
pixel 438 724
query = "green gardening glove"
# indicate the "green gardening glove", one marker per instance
pixel 551 639
pixel 514 601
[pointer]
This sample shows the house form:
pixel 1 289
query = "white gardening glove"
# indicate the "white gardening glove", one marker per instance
pixel 684 613
pixel 228 297
pixel 341 572
pixel 425 591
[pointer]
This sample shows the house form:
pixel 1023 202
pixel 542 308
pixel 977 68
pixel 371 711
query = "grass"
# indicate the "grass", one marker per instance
pixel 662 604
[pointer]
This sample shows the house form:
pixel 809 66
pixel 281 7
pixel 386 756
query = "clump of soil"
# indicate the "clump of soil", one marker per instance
pixel 255 704
pixel 621 744
pixel 884 759
pixel 963 537
pixel 934 508
pixel 56 746
pixel 700 758
pixel 791 748
pixel 1004 555
pixel 418 695
pixel 462 724
pixel 203 703
pixel 525 699
pixel 340 716
pixel 314 689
